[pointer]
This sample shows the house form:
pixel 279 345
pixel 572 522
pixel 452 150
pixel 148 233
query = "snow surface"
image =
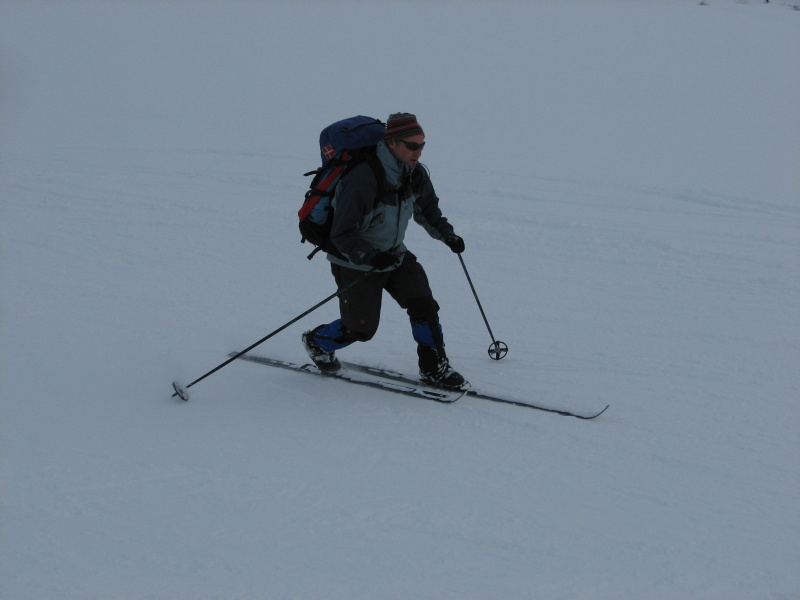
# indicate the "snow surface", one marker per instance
pixel 625 174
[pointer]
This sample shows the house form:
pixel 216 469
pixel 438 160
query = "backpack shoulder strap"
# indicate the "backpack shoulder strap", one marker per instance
pixel 380 173
pixel 369 156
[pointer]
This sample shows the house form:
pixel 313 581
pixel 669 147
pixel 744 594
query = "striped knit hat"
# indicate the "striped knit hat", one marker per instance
pixel 402 125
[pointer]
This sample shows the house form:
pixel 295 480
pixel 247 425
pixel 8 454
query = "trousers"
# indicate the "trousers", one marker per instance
pixel 360 308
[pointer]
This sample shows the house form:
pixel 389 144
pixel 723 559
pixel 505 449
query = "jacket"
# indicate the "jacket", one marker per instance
pixel 365 224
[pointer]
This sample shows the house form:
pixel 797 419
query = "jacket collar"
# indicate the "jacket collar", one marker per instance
pixel 396 171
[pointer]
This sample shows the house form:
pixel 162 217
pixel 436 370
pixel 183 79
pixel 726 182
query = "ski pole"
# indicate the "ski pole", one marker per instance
pixel 498 349
pixel 180 390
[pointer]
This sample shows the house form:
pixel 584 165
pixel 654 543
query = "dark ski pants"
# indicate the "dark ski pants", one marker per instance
pixel 360 308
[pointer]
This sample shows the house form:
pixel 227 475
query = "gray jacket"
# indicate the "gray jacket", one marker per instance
pixel 364 225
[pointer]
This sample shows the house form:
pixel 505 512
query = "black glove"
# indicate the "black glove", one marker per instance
pixel 455 243
pixel 383 260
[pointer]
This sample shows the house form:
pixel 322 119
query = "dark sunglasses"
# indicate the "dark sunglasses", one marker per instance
pixel 413 146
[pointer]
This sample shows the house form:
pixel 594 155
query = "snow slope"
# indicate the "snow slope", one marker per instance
pixel 625 176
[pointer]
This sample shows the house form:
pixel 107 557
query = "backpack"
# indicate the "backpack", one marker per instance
pixel 343 145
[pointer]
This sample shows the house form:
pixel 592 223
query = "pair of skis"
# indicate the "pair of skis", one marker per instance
pixel 392 381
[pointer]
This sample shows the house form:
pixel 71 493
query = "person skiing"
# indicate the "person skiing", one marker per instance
pixel 369 225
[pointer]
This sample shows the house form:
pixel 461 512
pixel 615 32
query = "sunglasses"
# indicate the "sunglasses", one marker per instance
pixel 413 146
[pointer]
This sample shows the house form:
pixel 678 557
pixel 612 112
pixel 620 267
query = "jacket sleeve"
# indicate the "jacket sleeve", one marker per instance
pixel 426 209
pixel 354 205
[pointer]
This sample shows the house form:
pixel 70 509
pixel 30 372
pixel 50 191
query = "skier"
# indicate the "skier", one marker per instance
pixel 368 229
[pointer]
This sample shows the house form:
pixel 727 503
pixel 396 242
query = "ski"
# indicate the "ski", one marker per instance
pixel 362 377
pixel 473 393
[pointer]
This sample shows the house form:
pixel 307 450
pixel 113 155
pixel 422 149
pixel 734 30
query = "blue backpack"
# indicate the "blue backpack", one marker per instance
pixel 343 145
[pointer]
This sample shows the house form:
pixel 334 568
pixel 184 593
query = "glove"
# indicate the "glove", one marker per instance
pixel 383 260
pixel 455 243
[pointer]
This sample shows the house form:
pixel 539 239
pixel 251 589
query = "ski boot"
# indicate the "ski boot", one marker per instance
pixel 441 374
pixel 325 361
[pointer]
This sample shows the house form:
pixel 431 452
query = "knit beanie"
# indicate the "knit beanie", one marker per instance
pixel 402 125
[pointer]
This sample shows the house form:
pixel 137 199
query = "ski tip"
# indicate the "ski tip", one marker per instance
pixel 180 391
pixel 594 416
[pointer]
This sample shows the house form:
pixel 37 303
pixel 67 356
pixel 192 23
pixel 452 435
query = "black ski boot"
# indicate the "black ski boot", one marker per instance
pixel 325 361
pixel 435 369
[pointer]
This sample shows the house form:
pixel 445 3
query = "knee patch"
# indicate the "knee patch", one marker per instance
pixel 422 308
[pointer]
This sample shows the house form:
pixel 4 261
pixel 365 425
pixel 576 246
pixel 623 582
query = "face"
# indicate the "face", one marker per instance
pixel 402 153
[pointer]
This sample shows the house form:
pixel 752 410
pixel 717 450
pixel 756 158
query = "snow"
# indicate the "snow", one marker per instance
pixel 625 176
